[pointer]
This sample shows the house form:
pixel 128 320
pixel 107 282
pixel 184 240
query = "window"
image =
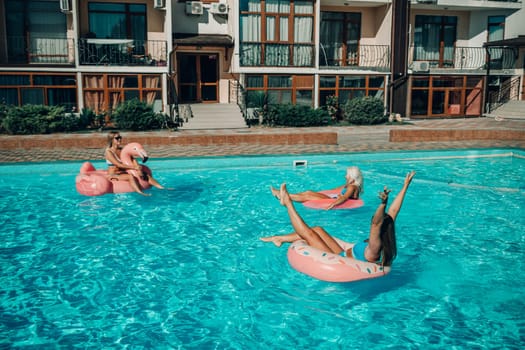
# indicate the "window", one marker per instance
pixel 340 34
pixel 499 57
pixel 39 89
pixel 104 92
pixel 117 20
pixel 277 33
pixel 496 28
pixel 434 40
pixel 446 96
pixel 348 87
pixel 281 89
pixel 36 32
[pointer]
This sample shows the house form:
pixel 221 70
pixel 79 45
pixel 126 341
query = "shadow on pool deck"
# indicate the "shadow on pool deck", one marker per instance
pixel 410 135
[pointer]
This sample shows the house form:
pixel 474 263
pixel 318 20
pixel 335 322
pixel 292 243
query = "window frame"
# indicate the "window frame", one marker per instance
pixel 298 83
pixel 267 52
pixel 109 92
pixel 30 76
pixel 337 90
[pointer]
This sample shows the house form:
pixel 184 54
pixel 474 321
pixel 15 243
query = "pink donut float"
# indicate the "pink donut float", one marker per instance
pixel 324 203
pixel 332 267
pixel 93 182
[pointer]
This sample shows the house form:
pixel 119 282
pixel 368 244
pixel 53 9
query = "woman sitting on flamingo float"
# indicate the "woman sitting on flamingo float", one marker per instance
pixel 124 174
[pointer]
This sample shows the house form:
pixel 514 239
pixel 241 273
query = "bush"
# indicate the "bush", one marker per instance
pixel 137 115
pixel 3 114
pixel 38 119
pixel 332 107
pixel 296 116
pixel 88 118
pixel 364 111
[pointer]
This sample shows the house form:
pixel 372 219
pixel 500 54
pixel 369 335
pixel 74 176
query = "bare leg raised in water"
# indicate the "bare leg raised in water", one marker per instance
pixel 300 197
pixel 316 237
pixel 280 239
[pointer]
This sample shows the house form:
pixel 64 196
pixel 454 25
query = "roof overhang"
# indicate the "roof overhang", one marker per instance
pixel 202 40
pixel 514 42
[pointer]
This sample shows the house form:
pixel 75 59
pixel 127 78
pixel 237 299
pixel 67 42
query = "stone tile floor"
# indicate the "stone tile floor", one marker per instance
pixel 349 139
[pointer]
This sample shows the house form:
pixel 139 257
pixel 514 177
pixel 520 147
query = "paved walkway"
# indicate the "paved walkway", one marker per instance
pixel 349 139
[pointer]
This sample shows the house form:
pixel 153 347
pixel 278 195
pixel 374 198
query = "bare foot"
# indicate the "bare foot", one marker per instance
pixel 275 192
pixel 274 239
pixel 145 194
pixel 284 196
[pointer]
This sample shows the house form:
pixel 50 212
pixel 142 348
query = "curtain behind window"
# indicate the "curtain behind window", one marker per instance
pixel 37 28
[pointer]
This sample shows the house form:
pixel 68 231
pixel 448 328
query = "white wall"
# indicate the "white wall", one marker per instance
pixel 207 23
pixel 515 25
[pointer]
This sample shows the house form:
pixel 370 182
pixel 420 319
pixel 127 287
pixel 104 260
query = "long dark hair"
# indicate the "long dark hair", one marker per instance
pixel 388 241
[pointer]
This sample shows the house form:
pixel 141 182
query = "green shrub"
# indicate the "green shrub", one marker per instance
pixel 136 115
pixel 38 119
pixel 296 116
pixel 89 119
pixel 3 114
pixel 332 107
pixel 364 111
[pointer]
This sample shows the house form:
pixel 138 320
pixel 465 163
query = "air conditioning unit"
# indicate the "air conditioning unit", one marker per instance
pixel 194 8
pixel 219 8
pixel 421 66
pixel 159 4
pixel 64 6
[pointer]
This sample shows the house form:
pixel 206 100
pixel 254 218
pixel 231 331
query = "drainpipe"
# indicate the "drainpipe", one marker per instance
pixel 486 85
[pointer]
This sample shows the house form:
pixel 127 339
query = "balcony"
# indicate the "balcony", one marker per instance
pixel 469 5
pixel 21 50
pixel 375 57
pixel 122 52
pixel 465 58
pixel 276 55
pixel 61 51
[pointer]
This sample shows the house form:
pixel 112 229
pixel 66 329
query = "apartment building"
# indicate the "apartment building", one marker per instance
pixel 424 59
pixel 84 54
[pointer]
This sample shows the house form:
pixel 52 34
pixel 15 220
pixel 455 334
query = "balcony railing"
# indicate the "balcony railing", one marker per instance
pixel 360 56
pixel 51 51
pixel 122 52
pixel 277 55
pixel 38 50
pixel 500 94
pixel 465 57
pixel 302 55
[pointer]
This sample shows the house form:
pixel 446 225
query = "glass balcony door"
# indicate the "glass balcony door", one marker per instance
pixel 198 77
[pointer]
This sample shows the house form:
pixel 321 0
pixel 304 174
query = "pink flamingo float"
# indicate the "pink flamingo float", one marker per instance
pixel 93 182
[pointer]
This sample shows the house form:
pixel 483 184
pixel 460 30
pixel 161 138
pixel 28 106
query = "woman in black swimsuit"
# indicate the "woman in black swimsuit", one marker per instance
pixel 381 243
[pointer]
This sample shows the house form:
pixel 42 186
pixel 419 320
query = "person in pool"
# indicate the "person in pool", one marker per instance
pixel 351 189
pixel 380 247
pixel 117 170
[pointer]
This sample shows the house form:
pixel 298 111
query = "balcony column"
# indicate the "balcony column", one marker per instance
pixel 399 60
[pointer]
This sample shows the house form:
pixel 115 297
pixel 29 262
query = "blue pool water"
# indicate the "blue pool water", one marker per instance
pixel 185 268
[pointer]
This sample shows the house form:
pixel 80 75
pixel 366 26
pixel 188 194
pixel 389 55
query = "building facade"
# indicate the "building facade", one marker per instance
pixel 89 54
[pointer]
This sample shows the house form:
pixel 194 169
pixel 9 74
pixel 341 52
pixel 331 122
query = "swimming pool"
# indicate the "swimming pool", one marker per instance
pixel 185 268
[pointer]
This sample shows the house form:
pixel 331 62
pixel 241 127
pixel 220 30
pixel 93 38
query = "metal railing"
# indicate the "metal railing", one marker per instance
pixel 508 91
pixel 276 55
pixel 461 57
pixel 366 56
pixel 123 52
pixel 51 50
pixel 37 50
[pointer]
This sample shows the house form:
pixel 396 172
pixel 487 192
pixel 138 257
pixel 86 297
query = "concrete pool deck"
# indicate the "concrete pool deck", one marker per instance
pixel 425 134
